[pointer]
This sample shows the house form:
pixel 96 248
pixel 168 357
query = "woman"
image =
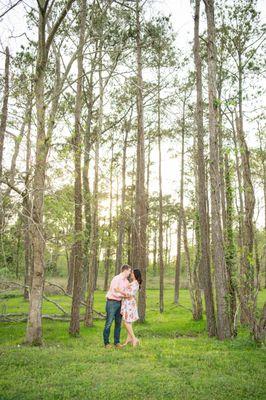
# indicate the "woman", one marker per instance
pixel 129 309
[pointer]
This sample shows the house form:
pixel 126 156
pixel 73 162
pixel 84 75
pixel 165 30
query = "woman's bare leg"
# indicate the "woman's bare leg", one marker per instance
pixel 129 328
pixel 129 337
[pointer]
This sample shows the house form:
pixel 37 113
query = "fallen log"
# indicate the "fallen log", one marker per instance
pixel 23 317
pixel 12 283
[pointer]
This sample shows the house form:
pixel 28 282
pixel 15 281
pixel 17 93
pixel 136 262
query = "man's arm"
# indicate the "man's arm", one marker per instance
pixel 123 293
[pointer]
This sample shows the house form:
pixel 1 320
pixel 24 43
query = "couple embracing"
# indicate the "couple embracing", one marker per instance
pixel 121 305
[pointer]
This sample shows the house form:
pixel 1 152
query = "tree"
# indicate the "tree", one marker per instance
pixel 34 325
pixel 3 124
pixel 201 188
pixel 223 323
pixel 78 246
pixel 139 243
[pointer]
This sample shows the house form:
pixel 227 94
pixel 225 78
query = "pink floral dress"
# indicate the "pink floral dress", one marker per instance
pixel 129 309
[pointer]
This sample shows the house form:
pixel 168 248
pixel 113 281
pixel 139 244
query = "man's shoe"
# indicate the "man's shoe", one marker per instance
pixel 108 346
pixel 118 346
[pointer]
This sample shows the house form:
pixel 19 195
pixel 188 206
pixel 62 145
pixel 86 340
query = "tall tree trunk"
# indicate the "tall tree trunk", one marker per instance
pixel 34 324
pixel 180 216
pixel 264 192
pixel 93 265
pixel 131 224
pixel 109 239
pixel 4 111
pixel 197 260
pixel 71 269
pixel 26 203
pixel 147 199
pixel 121 222
pixel 160 242
pixel 229 242
pixel 139 257
pixel 166 252
pixel 154 263
pixel 247 270
pixel 86 183
pixel 170 247
pixel 205 268
pixel 223 322
pixel 3 124
pixel 18 247
pixel 74 326
pixel 257 261
pixel 193 284
pixel 240 195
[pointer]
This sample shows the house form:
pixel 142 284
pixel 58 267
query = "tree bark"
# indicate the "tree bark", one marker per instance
pixel 121 223
pixel 70 278
pixel 229 242
pixel 74 326
pixel 34 325
pixel 3 124
pixel 93 265
pixel 108 259
pixel 193 284
pixel 202 187
pixel 247 269
pixel 160 242
pixel 205 269
pixel 139 257
pixel 223 322
pixel 180 216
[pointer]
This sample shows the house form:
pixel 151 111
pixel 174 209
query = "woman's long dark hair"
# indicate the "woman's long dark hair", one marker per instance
pixel 137 275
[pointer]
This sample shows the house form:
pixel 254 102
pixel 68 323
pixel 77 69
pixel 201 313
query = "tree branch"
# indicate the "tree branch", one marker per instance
pixel 57 24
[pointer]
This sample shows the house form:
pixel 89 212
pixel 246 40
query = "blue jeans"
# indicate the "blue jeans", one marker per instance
pixel 113 309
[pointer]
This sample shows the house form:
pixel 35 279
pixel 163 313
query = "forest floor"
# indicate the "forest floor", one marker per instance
pixel 176 359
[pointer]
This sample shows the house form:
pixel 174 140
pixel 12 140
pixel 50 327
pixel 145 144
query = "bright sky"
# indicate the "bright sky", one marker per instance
pixel 13 26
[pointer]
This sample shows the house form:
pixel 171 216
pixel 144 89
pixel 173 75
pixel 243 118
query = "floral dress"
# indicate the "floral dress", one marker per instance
pixel 129 309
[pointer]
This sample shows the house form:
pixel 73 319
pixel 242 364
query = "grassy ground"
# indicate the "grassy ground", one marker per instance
pixel 176 359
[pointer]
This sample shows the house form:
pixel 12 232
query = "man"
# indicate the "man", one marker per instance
pixel 113 306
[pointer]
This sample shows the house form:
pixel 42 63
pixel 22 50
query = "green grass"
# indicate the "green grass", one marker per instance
pixel 176 359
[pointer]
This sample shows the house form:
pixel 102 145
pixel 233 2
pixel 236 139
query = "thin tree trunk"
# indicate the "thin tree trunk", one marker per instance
pixel 18 248
pixel 240 195
pixel 139 249
pixel 109 239
pixel 229 242
pixel 70 278
pixel 193 284
pixel 264 192
pixel 3 124
pixel 257 261
pixel 205 269
pixel 160 242
pixel 154 253
pixel 74 326
pixel 122 222
pixel 86 182
pixel 93 265
pixel 247 271
pixel 147 199
pixel 180 216
pixel 170 247
pixel 4 111
pixel 26 203
pixel 131 225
